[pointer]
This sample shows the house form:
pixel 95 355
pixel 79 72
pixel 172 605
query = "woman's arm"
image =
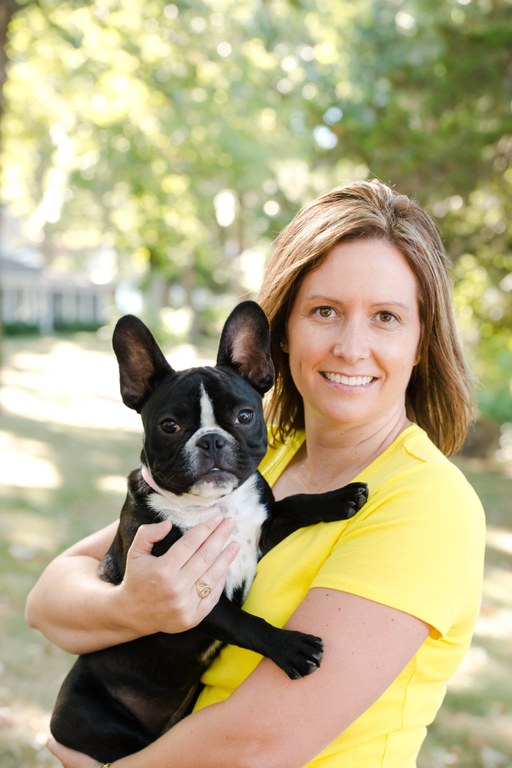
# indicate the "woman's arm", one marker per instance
pixel 275 722
pixel 79 612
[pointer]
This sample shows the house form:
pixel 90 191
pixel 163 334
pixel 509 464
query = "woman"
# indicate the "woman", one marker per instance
pixel 371 386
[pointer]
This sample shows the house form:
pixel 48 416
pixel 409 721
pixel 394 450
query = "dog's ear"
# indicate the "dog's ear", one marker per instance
pixel 245 346
pixel 142 364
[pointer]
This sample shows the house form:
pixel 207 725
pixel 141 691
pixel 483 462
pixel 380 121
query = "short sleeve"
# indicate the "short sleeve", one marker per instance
pixel 417 546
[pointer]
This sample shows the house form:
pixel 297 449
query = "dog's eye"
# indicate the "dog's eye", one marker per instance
pixel 170 426
pixel 245 416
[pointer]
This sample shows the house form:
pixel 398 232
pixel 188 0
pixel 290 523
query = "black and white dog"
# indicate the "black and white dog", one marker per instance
pixel 204 436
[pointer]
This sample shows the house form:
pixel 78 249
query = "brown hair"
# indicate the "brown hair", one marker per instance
pixel 439 394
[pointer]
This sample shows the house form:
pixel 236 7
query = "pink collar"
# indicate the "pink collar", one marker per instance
pixel 148 477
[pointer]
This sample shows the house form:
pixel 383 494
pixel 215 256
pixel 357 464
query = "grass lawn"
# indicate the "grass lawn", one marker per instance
pixel 68 443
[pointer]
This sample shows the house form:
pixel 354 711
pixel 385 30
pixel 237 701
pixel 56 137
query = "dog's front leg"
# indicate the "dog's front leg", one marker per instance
pixel 297 653
pixel 303 509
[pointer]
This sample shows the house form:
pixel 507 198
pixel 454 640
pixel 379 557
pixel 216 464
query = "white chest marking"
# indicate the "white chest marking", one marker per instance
pixel 242 505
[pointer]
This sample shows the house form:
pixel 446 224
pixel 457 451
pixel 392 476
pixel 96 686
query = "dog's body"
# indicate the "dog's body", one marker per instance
pixel 204 436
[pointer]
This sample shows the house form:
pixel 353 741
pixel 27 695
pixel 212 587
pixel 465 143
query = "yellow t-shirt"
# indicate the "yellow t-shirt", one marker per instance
pixel 418 546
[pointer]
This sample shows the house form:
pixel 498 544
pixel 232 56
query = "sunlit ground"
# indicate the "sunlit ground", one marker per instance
pixel 67 443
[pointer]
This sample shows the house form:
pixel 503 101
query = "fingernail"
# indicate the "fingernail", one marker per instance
pixel 217 517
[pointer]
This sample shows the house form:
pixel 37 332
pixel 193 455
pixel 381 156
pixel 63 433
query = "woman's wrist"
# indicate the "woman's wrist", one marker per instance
pixel 126 620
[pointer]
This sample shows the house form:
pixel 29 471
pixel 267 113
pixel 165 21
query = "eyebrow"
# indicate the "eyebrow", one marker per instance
pixel 380 303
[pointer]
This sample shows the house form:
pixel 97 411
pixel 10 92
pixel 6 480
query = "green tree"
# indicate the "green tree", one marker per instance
pixel 184 134
pixel 423 101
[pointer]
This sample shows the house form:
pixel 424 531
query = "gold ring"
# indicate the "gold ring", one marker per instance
pixel 203 590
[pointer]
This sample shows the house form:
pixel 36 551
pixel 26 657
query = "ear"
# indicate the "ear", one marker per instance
pixel 245 346
pixel 142 364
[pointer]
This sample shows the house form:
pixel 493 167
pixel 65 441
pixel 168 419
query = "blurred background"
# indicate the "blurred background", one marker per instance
pixel 150 153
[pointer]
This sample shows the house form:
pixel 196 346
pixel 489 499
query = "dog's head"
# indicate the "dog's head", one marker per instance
pixel 204 431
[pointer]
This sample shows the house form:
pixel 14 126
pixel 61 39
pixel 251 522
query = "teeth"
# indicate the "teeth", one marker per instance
pixel 350 381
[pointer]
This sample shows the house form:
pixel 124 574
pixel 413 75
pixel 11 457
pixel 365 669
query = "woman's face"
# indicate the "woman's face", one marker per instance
pixel 353 335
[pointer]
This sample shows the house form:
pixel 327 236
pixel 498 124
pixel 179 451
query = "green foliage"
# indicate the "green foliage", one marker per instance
pixel 183 134
pixel 495 365
pixel 21 329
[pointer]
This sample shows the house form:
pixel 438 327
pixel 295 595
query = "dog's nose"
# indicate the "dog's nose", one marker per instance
pixel 211 441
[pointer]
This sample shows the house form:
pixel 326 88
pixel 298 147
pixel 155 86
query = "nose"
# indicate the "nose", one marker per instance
pixel 211 441
pixel 352 343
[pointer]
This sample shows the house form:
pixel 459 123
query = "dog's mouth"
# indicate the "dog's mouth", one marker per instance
pixel 215 482
pixel 218 476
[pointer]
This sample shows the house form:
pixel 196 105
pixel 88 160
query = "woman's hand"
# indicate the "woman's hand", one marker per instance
pixel 80 613
pixel 69 757
pixel 158 594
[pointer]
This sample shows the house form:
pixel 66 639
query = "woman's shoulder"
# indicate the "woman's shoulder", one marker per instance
pixel 413 468
pixel 414 451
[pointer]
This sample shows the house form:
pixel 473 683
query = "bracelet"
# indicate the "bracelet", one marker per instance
pixel 106 765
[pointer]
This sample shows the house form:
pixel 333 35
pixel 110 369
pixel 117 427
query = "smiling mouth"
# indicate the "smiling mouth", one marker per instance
pixel 349 381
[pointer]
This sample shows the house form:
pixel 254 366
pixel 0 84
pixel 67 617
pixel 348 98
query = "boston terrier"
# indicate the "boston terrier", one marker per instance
pixel 204 436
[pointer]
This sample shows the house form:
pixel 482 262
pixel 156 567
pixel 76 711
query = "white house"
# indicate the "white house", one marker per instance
pixel 39 298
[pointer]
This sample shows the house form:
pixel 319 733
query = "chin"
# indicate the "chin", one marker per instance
pixel 215 485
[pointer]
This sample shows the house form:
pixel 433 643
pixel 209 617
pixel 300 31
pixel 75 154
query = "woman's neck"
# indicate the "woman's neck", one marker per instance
pixel 331 458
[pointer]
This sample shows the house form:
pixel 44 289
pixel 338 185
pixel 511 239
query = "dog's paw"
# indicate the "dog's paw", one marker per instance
pixel 343 503
pixel 299 654
pixel 359 497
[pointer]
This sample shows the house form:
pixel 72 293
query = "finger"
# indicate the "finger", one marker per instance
pixel 193 539
pixel 146 536
pixel 216 574
pixel 201 559
pixel 69 757
pixel 215 578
